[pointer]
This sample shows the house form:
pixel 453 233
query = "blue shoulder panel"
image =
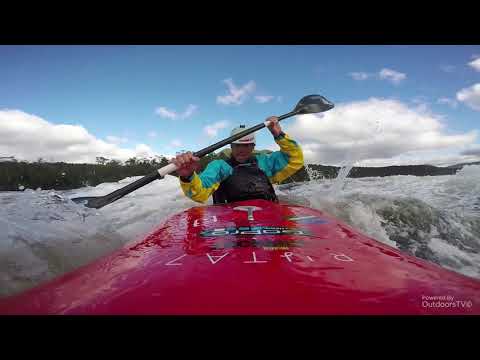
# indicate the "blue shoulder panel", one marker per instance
pixel 215 172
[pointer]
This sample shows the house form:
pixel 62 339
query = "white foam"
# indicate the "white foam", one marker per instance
pixel 448 251
pixel 44 234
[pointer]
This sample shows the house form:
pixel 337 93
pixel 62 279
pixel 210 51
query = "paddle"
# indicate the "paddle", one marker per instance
pixel 307 105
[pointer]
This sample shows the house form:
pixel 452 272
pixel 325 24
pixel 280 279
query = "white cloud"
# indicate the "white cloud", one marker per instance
pixel 212 129
pixel 189 111
pixel 164 112
pixel 172 114
pixel 236 95
pixel 373 129
pixel 29 137
pixel 176 143
pixel 475 64
pixel 152 134
pixel 116 140
pixel 391 75
pixel 475 151
pixel 420 100
pixel 470 96
pixel 422 104
pixel 446 101
pixel 142 150
pixel 447 68
pixel 434 158
pixel 359 76
pixel 263 98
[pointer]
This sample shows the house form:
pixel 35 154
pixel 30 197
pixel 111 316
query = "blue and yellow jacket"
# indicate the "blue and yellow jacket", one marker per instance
pixel 278 166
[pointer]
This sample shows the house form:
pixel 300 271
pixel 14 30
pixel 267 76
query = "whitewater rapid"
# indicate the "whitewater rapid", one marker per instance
pixel 44 234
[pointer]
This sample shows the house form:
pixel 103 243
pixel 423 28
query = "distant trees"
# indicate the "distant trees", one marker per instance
pixel 64 176
pixel 101 160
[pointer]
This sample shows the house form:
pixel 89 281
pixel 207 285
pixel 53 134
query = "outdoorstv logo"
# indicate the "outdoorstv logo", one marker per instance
pixel 445 302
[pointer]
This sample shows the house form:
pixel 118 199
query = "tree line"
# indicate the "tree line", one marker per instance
pixel 65 176
pixel 22 175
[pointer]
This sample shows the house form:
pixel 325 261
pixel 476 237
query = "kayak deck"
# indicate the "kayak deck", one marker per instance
pixel 254 257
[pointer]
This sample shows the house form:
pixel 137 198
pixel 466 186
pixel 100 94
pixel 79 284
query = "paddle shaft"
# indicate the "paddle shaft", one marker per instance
pixel 98 202
pixel 227 141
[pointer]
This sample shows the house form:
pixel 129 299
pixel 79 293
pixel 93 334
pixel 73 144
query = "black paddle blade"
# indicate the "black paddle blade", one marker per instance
pixel 98 202
pixel 312 104
pixel 89 201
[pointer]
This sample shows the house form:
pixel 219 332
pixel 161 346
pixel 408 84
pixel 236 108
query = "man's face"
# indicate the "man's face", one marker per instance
pixel 241 152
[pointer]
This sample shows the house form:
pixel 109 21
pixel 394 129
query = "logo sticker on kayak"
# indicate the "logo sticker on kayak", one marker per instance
pixel 254 230
pixel 308 219
pixel 267 244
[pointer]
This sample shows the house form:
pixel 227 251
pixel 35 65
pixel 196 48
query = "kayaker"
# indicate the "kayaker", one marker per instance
pixel 243 176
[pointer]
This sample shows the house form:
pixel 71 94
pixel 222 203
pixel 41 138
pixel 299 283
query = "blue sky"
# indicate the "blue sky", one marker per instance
pixel 122 101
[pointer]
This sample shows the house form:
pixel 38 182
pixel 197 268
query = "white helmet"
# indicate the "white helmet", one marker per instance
pixel 247 139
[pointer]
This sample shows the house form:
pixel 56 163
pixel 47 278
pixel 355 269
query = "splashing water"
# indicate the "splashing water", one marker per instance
pixel 340 182
pixel 433 218
pixel 43 234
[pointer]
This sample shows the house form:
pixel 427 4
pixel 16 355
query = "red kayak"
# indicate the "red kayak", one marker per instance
pixel 254 257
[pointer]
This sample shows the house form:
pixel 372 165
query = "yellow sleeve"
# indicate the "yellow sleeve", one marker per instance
pixel 202 186
pixel 287 161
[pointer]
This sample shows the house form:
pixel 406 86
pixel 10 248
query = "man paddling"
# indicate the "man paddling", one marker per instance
pixel 243 176
pixel 276 167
